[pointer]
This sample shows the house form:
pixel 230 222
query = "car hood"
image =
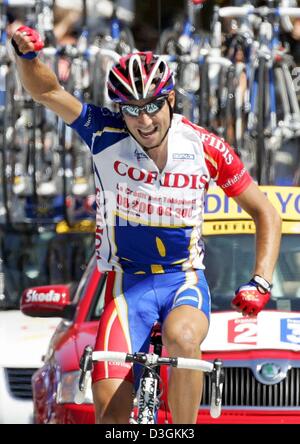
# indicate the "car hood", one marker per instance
pixel 24 340
pixel 269 330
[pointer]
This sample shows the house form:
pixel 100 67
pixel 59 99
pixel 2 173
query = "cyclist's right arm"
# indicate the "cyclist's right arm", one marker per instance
pixel 42 84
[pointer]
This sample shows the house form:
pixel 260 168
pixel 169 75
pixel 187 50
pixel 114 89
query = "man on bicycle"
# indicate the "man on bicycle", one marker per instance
pixel 152 170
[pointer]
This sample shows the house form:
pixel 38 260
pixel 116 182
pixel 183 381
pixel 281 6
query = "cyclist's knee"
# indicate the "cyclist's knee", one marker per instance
pixel 181 339
pixel 184 331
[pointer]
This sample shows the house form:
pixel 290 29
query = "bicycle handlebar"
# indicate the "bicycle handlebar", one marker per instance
pixel 183 363
pixel 19 3
pixel 151 360
pixel 187 58
pixel 195 364
pixel 242 11
pixel 291 12
pixel 109 356
pixel 234 11
pixel 73 52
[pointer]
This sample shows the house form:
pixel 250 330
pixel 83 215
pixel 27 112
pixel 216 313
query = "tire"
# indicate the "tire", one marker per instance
pixel 98 87
pixel 6 186
pixel 222 101
pixel 204 95
pixel 232 115
pixel 262 173
pixel 241 87
pixel 230 109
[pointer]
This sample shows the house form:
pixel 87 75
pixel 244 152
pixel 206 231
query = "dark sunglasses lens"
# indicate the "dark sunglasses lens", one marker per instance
pixel 131 110
pixel 149 108
pixel 153 107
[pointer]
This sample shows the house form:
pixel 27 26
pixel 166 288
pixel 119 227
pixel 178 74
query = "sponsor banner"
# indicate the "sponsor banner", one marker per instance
pixel 285 199
pixel 290 330
pixel 269 330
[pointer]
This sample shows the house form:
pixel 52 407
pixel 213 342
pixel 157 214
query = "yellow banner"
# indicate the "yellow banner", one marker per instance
pixel 285 199
pixel 243 227
pixel 83 226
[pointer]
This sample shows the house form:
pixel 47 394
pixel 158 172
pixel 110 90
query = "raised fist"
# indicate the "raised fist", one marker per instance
pixel 27 42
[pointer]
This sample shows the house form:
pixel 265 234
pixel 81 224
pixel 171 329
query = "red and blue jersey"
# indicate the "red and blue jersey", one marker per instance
pixel 150 221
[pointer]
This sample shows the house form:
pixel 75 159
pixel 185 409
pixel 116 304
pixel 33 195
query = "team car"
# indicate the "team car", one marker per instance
pixel 260 355
pixel 32 257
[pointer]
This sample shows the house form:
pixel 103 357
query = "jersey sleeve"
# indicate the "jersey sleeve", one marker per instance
pixel 224 165
pixel 92 121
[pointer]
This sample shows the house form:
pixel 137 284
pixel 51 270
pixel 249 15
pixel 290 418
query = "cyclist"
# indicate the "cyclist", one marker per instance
pixel 152 169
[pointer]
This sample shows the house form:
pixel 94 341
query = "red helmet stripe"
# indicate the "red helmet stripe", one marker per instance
pixel 116 91
pixel 152 74
pixel 123 61
pixel 163 81
pixel 120 76
pixel 122 79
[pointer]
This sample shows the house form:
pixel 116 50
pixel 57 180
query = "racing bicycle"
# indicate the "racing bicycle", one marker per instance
pixel 148 397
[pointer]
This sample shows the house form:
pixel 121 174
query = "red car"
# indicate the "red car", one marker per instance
pixel 260 355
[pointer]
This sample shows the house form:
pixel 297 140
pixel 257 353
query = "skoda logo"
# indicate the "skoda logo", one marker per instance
pixel 270 371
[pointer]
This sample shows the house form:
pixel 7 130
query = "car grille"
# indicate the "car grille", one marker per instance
pixel 242 389
pixel 19 381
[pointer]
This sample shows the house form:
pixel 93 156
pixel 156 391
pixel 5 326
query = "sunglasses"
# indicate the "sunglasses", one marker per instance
pixel 150 108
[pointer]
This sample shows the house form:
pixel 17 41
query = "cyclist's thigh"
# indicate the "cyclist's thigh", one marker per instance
pixel 130 310
pixel 188 288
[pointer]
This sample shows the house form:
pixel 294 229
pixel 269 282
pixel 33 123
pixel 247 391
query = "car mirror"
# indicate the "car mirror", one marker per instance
pixel 46 301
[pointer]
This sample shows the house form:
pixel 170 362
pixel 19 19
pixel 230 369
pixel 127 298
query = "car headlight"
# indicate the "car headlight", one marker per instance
pixel 68 389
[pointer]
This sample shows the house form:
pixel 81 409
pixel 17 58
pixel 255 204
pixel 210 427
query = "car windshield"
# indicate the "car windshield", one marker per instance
pixel 29 259
pixel 229 261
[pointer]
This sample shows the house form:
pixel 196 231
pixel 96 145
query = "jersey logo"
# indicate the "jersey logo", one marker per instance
pixel 140 155
pixel 169 180
pixel 183 156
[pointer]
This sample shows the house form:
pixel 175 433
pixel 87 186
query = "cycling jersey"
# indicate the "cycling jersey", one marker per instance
pixel 149 221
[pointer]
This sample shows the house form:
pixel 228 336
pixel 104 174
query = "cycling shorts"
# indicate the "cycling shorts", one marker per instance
pixel 133 304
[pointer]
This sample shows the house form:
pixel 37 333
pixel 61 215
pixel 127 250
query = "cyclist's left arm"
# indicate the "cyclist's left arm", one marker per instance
pixel 268 229
pixel 227 169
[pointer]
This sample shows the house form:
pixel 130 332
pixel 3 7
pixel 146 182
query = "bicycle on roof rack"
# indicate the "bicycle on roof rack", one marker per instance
pixel 259 104
pixel 149 395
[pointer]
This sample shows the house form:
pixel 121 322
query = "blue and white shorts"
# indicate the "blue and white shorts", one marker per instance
pixel 134 303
